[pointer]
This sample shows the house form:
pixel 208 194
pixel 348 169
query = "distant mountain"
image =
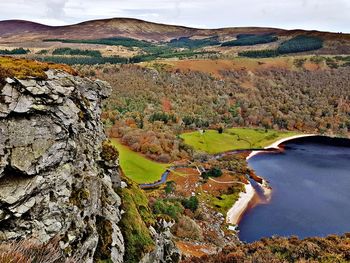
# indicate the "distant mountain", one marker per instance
pixel 17 30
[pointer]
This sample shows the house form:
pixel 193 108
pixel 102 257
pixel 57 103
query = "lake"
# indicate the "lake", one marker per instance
pixel 311 190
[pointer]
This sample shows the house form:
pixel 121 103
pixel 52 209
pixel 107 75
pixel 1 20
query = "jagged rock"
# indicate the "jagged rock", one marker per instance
pixel 53 182
pixel 165 250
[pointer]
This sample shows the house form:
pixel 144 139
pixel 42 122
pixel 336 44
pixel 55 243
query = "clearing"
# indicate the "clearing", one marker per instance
pixel 213 142
pixel 137 167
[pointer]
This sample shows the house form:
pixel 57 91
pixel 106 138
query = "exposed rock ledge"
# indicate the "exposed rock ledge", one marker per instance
pixel 53 182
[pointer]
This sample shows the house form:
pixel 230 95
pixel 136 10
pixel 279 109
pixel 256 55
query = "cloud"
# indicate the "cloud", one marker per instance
pixel 306 14
pixel 56 8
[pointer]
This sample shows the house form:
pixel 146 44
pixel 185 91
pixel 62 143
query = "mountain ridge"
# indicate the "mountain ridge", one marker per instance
pixel 22 30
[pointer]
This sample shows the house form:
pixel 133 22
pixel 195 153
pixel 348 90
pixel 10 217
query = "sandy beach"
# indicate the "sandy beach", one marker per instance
pixel 240 206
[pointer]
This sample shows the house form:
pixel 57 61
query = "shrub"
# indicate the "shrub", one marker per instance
pixel 170 187
pixel 191 203
pixel 188 228
pixel 170 208
pixel 213 172
pixel 109 153
pixel 22 68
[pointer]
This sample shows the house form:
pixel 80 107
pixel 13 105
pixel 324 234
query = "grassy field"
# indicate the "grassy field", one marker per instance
pixel 233 139
pixel 137 167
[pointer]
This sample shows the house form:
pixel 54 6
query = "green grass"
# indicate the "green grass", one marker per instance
pixel 137 167
pixel 224 202
pixel 233 139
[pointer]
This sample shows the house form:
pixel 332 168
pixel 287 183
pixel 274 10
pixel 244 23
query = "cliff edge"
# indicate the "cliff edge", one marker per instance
pixel 54 181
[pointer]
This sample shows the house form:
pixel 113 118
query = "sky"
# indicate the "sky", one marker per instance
pixel 325 15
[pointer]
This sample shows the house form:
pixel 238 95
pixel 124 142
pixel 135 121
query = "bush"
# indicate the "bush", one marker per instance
pixel 166 207
pixel 109 153
pixel 213 172
pixel 191 203
pixel 170 187
pixel 188 228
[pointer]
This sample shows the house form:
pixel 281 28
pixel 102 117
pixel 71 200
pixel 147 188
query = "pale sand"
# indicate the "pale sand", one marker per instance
pixel 276 144
pixel 241 205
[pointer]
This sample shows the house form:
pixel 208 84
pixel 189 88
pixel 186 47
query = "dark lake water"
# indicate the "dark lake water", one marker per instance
pixel 311 190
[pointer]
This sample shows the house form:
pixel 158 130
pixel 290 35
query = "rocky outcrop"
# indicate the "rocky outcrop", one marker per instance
pixel 165 250
pixel 53 181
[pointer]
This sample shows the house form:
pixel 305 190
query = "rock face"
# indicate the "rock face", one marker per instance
pixel 165 249
pixel 53 182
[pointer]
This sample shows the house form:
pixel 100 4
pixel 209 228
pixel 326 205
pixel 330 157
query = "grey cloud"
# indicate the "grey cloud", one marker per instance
pixel 55 8
pixel 307 14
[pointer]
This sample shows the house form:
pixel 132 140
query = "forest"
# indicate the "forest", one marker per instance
pixel 76 52
pixel 152 107
pixel 113 41
pixel 185 42
pixel 295 45
pixel 16 51
pixel 250 40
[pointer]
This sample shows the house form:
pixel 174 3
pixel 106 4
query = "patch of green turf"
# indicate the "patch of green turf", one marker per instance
pixel 224 202
pixel 137 167
pixel 233 139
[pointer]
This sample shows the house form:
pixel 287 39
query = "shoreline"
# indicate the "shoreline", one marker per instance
pixel 245 198
pixel 275 145
pixel 240 206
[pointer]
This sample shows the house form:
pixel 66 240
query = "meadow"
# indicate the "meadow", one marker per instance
pixel 137 167
pixel 212 142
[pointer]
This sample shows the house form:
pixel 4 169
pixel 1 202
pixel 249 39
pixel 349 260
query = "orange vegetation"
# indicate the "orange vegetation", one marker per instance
pixel 185 179
pixel 190 249
pixel 220 184
pixel 23 68
pixel 217 67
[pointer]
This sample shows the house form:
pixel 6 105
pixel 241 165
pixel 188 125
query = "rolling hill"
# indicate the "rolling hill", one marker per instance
pixel 18 30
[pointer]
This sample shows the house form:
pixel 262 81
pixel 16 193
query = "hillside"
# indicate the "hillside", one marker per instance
pixel 18 30
pixel 123 27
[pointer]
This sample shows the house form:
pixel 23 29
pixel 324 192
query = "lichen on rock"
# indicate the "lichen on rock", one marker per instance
pixel 53 180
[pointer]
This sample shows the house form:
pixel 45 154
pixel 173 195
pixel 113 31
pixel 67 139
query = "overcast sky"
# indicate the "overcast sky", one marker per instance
pixel 327 15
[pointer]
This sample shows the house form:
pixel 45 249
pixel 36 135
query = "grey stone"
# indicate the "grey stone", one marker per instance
pixel 50 167
pixel 24 104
